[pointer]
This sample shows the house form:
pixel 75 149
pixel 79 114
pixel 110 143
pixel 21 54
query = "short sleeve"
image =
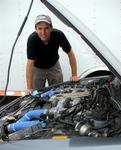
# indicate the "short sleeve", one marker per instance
pixel 31 48
pixel 64 43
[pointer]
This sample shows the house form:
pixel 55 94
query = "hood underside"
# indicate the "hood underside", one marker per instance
pixel 99 48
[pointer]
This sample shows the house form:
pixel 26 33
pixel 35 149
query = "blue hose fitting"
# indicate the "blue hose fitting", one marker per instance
pixel 51 93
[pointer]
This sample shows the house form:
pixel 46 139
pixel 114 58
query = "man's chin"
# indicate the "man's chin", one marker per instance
pixel 44 39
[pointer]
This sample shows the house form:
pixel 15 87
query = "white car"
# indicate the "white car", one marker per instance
pixel 71 115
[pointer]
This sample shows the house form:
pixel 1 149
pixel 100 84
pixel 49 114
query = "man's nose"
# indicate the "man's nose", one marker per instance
pixel 43 32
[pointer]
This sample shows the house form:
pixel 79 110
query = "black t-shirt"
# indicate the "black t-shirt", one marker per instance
pixel 45 56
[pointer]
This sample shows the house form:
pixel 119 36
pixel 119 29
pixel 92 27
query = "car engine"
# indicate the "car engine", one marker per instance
pixel 89 107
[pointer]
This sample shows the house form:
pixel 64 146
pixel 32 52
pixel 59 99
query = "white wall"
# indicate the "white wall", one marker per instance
pixel 103 17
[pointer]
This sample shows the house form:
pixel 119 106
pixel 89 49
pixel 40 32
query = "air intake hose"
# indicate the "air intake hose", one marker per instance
pixel 29 119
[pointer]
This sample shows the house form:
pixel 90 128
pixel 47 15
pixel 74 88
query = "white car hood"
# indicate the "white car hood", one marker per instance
pixel 100 49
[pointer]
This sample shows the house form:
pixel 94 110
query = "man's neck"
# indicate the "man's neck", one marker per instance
pixel 45 42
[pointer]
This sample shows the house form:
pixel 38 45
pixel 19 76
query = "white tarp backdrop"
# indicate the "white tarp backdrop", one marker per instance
pixel 103 17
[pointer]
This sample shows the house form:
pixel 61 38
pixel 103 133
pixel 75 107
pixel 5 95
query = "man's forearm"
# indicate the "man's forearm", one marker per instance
pixel 73 64
pixel 29 83
pixel 73 67
pixel 29 75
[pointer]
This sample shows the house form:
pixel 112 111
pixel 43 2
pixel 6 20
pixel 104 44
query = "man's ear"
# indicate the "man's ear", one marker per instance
pixel 35 29
pixel 51 28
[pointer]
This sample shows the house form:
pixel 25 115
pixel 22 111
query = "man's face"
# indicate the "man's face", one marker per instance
pixel 43 30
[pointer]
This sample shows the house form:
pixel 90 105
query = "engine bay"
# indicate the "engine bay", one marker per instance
pixel 90 107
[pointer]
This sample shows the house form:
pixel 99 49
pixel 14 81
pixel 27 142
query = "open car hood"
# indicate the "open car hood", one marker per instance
pixel 100 49
pixel 74 112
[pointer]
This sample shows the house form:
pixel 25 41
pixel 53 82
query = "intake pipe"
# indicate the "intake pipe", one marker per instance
pixel 27 120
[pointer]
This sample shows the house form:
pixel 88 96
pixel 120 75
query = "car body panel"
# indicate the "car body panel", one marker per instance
pixel 66 144
pixel 113 64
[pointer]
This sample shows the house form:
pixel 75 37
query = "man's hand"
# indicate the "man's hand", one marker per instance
pixel 28 91
pixel 75 78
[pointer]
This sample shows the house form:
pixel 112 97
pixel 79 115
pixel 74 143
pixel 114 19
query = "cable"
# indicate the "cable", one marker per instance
pixel 9 66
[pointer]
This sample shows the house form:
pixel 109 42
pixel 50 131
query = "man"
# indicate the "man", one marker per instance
pixel 43 58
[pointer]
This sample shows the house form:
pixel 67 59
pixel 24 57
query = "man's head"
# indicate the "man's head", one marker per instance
pixel 43 18
pixel 43 26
